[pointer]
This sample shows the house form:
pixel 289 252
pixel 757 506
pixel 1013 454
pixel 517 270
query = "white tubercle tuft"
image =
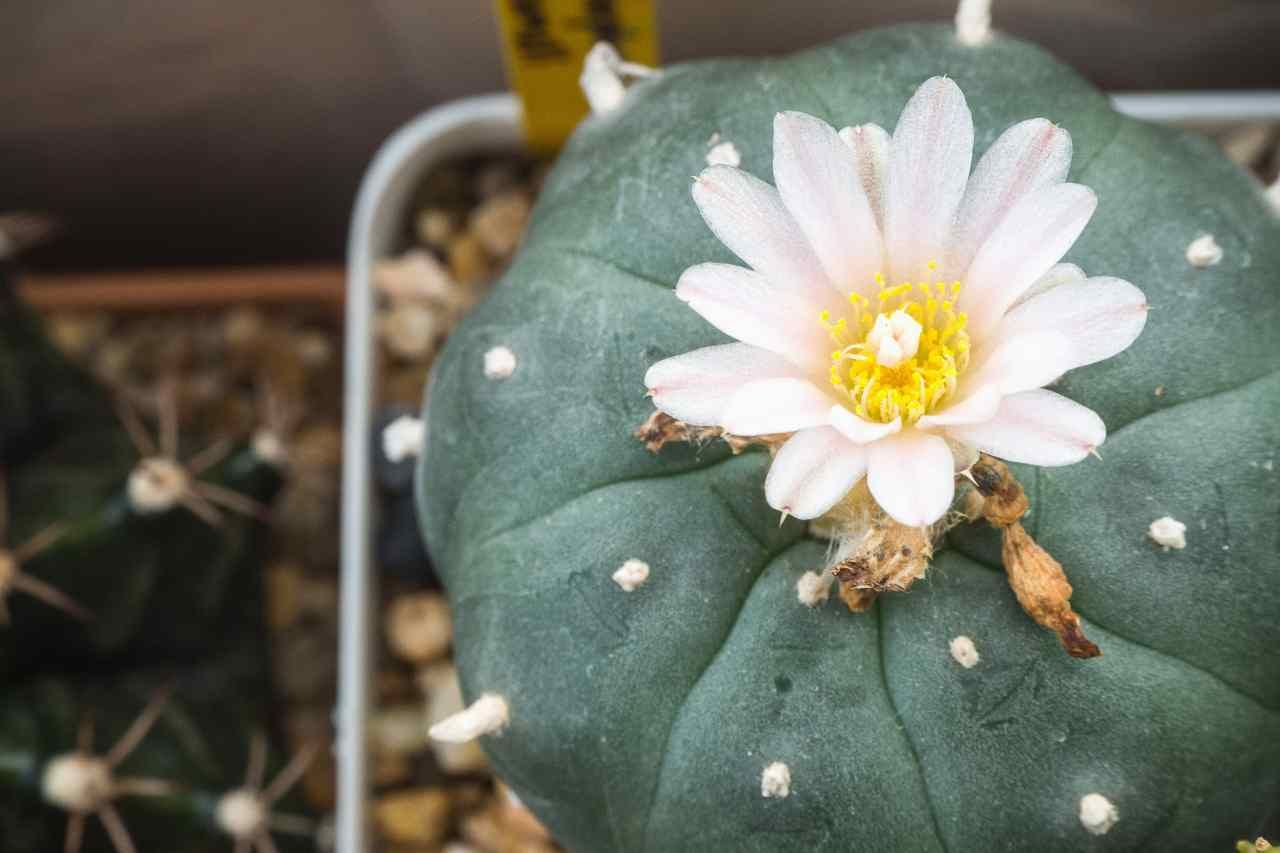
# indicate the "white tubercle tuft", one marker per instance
pixel 156 484
pixel 775 781
pixel 973 22
pixel 241 814
pixel 267 446
pixel 403 438
pixel 813 589
pixel 603 70
pixel 722 152
pixel 631 575
pixel 499 363
pixel 965 652
pixel 1204 251
pixel 1168 532
pixel 487 715
pixel 76 782
pixel 1097 813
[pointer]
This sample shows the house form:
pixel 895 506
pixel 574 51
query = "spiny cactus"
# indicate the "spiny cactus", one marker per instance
pixel 655 664
pixel 127 570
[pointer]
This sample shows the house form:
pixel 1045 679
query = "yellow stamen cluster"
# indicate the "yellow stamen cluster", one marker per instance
pixel 917 385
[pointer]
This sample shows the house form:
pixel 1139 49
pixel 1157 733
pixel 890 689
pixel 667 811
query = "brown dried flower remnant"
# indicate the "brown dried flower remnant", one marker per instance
pixel 1036 577
pixel 661 429
pixel 889 558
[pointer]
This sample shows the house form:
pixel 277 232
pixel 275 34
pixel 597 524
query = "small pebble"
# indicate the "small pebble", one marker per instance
pixel 498 223
pixel 400 729
pixel 417 277
pixel 468 262
pixel 419 627
pixel 1168 532
pixel 1097 814
pixel 1204 251
pixel 964 652
pixel 409 331
pixel 499 363
pixel 775 781
pixel 416 816
pixel 435 227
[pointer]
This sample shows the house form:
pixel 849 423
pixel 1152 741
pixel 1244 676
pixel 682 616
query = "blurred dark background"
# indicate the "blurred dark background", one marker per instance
pixel 234 132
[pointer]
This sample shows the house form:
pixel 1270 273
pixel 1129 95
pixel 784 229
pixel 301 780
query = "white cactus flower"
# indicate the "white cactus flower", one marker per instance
pixel 897 309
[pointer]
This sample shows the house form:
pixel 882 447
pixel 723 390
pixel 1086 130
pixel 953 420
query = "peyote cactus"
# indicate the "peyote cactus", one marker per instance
pixel 652 665
pixel 123 571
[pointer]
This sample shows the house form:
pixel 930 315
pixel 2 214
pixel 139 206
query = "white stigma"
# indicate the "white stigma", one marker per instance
pixel 403 438
pixel 1168 532
pixel 241 813
pixel 631 575
pixel 965 652
pixel 894 338
pixel 487 715
pixel 775 781
pixel 76 783
pixel 156 484
pixel 1204 251
pixel 1097 814
pixel 499 363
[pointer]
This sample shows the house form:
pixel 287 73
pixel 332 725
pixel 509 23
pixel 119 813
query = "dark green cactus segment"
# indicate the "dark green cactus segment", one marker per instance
pixel 643 720
pixel 158 586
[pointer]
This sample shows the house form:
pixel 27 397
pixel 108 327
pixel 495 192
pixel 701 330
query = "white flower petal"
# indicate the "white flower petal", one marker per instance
pixel 975 406
pixel 870 146
pixel 928 166
pixel 1038 428
pixel 695 387
pixel 861 431
pixel 1023 362
pixel 775 405
pixel 813 471
pixel 1057 274
pixel 1101 317
pixel 756 310
pixel 1027 157
pixel 819 184
pixel 1024 246
pixel 748 216
pixel 911 475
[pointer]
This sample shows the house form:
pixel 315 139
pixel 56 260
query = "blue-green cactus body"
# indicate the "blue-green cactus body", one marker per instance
pixel 643 720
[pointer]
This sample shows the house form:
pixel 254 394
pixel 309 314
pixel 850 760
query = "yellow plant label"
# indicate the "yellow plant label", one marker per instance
pixel 544 42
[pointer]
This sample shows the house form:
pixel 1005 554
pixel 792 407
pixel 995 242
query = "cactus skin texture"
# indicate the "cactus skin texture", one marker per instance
pixel 644 720
pixel 176 603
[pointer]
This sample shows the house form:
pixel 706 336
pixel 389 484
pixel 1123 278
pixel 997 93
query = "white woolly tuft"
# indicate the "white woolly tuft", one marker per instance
pixel 241 814
pixel 631 575
pixel 964 651
pixel 813 589
pixel 499 363
pixel 1204 251
pixel 1168 532
pixel 973 22
pixel 76 783
pixel 775 781
pixel 603 70
pixel 1097 814
pixel 156 485
pixel 487 715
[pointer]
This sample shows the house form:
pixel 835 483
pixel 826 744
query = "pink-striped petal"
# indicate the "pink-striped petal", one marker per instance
pixel 696 387
pixel 911 475
pixel 1037 428
pixel 928 167
pixel 748 216
pixel 775 405
pixel 813 471
pixel 870 146
pixel 759 311
pixel 1027 157
pixel 1031 238
pixel 861 431
pixel 1101 317
pixel 819 184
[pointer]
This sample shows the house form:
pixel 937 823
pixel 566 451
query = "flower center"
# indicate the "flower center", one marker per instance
pixel 898 354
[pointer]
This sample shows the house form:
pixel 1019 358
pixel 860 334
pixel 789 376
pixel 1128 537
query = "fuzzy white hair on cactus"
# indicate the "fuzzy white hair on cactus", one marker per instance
pixel 896 307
